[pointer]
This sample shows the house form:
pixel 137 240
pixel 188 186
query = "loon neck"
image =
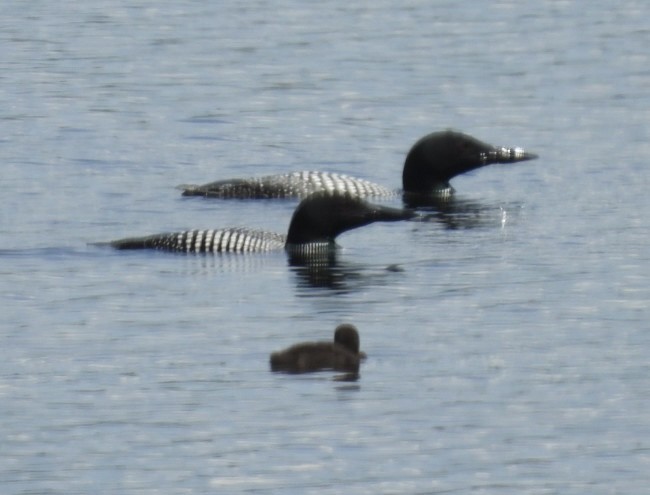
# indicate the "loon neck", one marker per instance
pixel 310 249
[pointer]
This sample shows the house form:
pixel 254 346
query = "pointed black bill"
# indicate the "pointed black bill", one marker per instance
pixel 380 213
pixel 506 155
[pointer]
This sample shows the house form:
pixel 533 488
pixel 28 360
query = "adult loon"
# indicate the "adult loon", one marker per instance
pixel 314 226
pixel 430 164
pixel 340 355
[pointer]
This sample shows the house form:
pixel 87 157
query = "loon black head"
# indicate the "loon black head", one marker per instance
pixel 347 336
pixel 321 217
pixel 438 157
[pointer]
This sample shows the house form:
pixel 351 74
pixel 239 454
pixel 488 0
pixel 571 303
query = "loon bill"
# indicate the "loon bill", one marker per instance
pixel 429 166
pixel 314 226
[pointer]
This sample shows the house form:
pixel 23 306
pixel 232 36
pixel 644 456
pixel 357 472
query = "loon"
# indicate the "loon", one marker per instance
pixel 430 164
pixel 314 226
pixel 341 355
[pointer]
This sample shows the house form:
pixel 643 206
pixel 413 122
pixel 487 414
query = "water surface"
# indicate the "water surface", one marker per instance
pixel 506 339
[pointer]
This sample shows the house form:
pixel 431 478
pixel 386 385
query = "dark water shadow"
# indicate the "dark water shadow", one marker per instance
pixel 337 275
pixel 455 212
pixel 349 378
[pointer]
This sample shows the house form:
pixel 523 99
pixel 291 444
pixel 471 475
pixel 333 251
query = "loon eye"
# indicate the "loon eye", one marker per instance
pixel 461 150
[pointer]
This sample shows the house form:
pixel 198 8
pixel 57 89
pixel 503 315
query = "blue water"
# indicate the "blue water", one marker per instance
pixel 507 346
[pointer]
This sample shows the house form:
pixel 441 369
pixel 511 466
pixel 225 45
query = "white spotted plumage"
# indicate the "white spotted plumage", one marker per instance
pixel 294 184
pixel 236 240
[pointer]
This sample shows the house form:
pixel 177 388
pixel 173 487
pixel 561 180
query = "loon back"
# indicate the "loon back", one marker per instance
pixel 292 185
pixel 228 240
pixel 315 224
pixel 429 166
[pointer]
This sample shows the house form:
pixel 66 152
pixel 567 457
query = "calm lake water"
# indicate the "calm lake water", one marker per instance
pixel 508 343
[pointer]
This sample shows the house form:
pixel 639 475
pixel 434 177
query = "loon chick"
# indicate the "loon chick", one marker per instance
pixel 429 166
pixel 314 226
pixel 341 355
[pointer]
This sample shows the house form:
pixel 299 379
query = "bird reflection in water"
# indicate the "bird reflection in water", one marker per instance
pixel 457 213
pixel 329 272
